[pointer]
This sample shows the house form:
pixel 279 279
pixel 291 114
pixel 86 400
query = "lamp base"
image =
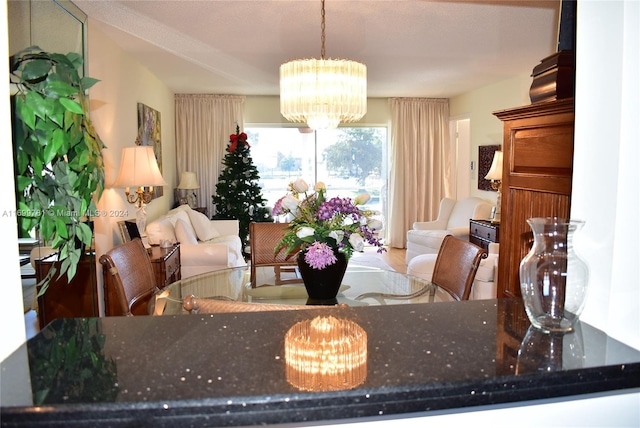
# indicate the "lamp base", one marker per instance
pixel 141 219
pixel 192 200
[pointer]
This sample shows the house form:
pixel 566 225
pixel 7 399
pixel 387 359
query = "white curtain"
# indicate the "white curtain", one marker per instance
pixel 419 163
pixel 203 126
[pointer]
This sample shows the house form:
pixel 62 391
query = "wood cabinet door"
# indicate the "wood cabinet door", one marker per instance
pixel 536 179
pixel 75 299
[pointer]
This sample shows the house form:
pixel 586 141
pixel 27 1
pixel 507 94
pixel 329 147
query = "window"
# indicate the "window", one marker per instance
pixel 349 160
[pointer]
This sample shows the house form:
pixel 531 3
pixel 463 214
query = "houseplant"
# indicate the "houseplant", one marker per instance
pixel 325 233
pixel 58 153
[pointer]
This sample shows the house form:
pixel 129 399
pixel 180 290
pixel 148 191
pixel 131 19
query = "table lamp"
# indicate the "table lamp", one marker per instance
pixel 188 181
pixel 495 175
pixel 139 169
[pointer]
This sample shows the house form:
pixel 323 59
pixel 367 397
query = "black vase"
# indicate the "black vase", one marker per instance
pixel 322 284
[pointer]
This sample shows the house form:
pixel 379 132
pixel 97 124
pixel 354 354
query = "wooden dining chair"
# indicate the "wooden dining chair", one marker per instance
pixel 263 239
pixel 454 271
pixel 129 281
pixel 456 266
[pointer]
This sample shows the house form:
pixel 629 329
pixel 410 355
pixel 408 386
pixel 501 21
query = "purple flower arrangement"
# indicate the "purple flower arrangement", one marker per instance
pixel 320 226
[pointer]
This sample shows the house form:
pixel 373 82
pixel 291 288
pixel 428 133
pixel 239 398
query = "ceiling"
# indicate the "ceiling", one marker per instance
pixel 412 48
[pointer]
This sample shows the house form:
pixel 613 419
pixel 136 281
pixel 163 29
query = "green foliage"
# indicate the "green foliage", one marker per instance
pixel 238 195
pixel 57 152
pixel 287 163
pixel 68 364
pixel 357 153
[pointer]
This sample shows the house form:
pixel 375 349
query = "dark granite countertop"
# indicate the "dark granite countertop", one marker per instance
pixel 230 369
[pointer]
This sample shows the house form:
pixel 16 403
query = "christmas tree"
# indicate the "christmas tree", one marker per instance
pixel 238 195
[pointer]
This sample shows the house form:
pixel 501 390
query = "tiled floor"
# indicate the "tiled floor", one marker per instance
pixel 31 323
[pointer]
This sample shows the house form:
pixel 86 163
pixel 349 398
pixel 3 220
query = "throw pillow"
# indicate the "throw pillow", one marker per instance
pixel 160 229
pixel 184 233
pixel 174 216
pixel 202 225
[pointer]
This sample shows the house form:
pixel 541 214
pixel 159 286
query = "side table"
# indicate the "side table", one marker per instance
pixel 483 232
pixel 166 264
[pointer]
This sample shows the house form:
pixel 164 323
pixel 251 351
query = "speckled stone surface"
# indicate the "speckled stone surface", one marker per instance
pixel 230 370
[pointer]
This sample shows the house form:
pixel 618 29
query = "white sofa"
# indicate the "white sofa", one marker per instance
pixel 453 219
pixel 486 280
pixel 205 245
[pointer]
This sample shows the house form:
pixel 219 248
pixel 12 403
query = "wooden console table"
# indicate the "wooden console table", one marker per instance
pixel 483 232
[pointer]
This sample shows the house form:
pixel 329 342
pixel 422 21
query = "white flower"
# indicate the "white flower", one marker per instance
pixel 374 224
pixel 305 231
pixel 362 199
pixel 357 242
pixel 300 186
pixel 290 203
pixel 347 221
pixel 320 186
pixel 338 235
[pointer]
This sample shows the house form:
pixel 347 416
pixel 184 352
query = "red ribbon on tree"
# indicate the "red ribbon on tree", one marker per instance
pixel 237 138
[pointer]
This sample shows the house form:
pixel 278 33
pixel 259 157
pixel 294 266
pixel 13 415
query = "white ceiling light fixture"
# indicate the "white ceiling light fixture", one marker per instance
pixel 323 92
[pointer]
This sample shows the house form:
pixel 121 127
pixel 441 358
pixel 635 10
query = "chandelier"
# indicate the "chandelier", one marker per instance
pixel 323 92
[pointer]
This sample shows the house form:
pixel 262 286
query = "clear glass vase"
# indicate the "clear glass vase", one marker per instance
pixel 553 279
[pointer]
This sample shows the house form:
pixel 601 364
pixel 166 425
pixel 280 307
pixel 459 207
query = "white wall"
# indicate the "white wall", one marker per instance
pixel 486 129
pixel 265 110
pixel 13 331
pixel 123 84
pixel 606 183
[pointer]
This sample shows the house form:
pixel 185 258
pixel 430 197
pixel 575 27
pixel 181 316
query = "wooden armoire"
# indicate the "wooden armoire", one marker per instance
pixel 536 178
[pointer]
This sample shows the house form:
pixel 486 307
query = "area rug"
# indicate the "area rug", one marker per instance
pixel 369 258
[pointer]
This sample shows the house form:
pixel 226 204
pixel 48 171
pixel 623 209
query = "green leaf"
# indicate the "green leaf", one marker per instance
pixel 22 161
pixel 22 182
pixel 47 226
pixel 38 104
pixel 71 105
pixel 87 82
pixel 36 69
pixel 58 119
pixel 84 233
pixel 51 149
pixel 61 227
pixel 26 112
pixel 61 89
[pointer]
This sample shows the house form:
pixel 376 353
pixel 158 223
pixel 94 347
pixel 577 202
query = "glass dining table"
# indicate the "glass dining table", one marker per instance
pixel 361 286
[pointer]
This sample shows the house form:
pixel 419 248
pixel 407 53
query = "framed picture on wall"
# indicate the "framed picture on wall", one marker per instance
pixel 149 134
pixel 485 158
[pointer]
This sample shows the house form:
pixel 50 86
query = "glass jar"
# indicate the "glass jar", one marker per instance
pixel 553 279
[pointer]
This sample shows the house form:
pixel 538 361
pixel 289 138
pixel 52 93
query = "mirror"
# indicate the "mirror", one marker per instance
pixel 54 25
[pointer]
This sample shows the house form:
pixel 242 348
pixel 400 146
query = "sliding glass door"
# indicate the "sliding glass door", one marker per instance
pixel 349 160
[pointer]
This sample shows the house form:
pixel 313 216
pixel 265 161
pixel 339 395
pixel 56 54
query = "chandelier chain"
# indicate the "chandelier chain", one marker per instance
pixel 322 38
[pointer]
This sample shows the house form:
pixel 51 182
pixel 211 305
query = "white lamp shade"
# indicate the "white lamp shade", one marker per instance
pixel 188 181
pixel 495 172
pixel 139 168
pixel 322 93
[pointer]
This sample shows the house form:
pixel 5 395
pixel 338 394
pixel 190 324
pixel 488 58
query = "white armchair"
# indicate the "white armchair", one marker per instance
pixel 453 219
